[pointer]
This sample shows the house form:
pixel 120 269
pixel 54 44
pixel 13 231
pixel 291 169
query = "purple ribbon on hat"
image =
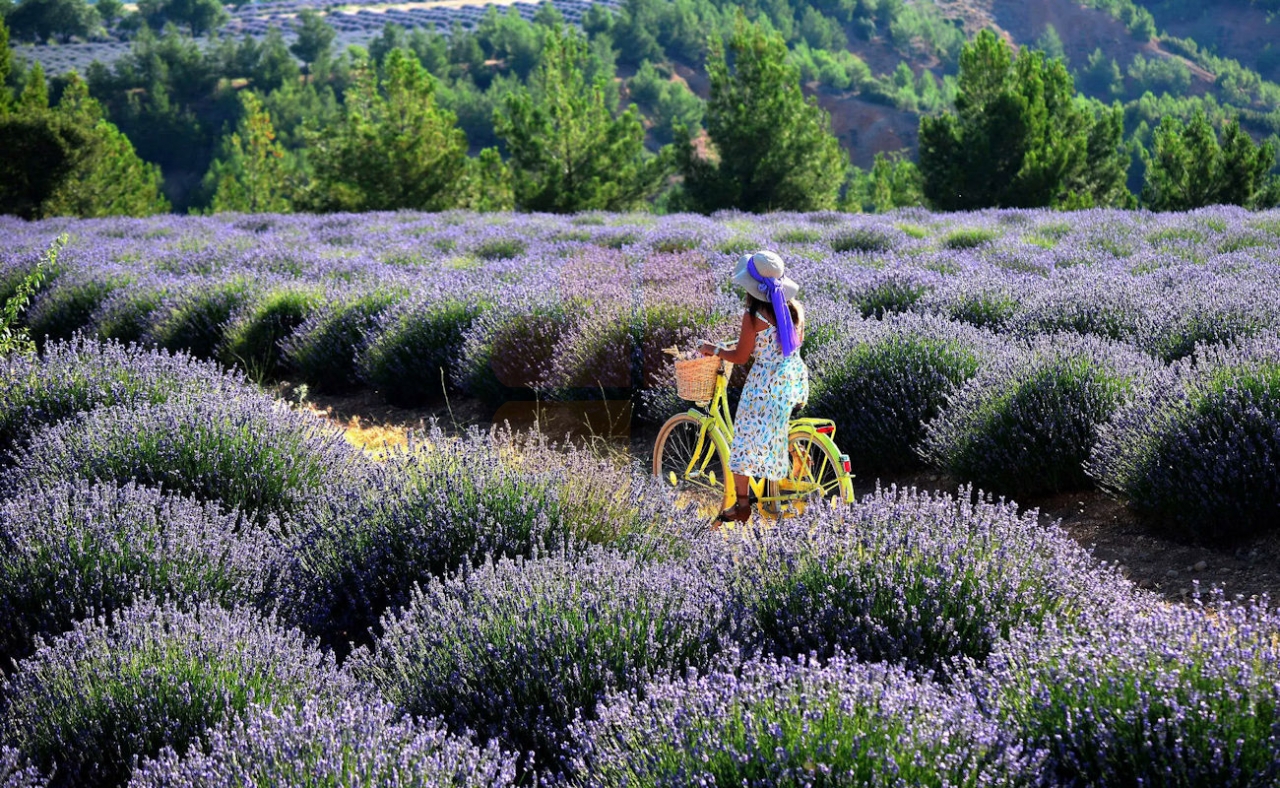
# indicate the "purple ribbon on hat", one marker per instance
pixel 787 335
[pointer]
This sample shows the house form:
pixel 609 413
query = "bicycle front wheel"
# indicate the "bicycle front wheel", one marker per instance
pixel 817 472
pixel 693 464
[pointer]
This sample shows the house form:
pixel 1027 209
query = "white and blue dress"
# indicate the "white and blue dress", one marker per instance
pixel 775 386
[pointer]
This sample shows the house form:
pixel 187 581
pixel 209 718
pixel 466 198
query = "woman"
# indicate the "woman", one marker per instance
pixel 772 332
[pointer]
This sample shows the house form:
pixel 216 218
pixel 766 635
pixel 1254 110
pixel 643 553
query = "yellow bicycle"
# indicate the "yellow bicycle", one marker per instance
pixel 691 453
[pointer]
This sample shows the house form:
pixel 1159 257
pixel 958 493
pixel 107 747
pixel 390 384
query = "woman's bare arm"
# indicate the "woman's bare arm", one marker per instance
pixel 746 343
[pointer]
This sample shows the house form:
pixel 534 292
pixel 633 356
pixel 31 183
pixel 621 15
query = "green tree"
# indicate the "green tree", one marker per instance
pixel 252 174
pixel 1018 138
pixel 40 20
pixel 6 68
pixel 1101 75
pixel 276 66
pixel 892 182
pixel 70 160
pixel 315 37
pixel 199 16
pixel 773 149
pixel 109 10
pixel 394 148
pixel 668 103
pixel 1188 168
pixel 568 152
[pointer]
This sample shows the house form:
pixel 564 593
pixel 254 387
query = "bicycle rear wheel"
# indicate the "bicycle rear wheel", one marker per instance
pixel 699 474
pixel 817 471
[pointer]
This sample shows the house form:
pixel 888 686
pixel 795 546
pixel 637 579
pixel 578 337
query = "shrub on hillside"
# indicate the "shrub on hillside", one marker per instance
pixel 1025 424
pixel 74 549
pixel 796 723
pixel 1199 450
pixel 153 676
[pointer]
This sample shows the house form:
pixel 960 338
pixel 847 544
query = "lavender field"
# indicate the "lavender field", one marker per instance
pixel 202 585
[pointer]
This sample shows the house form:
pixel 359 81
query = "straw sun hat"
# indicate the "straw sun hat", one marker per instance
pixel 768 265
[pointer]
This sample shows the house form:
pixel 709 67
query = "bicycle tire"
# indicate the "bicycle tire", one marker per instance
pixel 816 467
pixel 673 452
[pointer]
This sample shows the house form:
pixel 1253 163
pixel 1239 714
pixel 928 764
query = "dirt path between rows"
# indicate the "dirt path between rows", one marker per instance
pixel 1151 558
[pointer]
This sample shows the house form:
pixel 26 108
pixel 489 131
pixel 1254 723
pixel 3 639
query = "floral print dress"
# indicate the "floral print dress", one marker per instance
pixel 775 385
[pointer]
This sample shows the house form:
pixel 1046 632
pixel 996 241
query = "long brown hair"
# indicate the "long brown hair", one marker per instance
pixel 756 306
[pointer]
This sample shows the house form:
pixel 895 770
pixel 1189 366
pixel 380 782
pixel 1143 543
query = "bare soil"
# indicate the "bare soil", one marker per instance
pixel 1150 556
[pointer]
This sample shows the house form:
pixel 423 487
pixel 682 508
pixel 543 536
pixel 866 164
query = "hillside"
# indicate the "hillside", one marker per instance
pixel 876 66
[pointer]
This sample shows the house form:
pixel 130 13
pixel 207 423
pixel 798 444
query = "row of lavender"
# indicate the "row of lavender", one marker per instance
pixel 1023 351
pixel 202 587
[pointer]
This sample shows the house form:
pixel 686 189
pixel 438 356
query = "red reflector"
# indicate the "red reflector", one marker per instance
pixel 847 466
pixel 827 430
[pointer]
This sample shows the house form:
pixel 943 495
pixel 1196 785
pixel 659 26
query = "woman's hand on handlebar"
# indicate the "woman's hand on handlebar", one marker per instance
pixel 708 349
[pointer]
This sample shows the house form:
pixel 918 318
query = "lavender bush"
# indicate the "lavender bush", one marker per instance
pixel 81 375
pixel 322 350
pixel 67 305
pixel 1198 450
pixel 1146 695
pixel 1027 422
pixel 357 743
pixel 195 319
pixel 445 504
pixel 88 703
pixel 517 649
pixel 796 723
pixel 882 381
pixel 410 354
pixel 907 577
pixel 16 772
pixel 74 549
pixel 245 452
pixel 125 314
pixel 253 336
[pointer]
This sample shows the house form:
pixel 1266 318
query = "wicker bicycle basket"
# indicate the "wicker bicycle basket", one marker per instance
pixel 696 378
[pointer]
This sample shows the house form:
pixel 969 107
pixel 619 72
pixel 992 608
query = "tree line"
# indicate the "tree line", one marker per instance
pixel 531 116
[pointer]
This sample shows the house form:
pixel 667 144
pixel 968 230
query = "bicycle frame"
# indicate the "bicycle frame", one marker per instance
pixel 717 426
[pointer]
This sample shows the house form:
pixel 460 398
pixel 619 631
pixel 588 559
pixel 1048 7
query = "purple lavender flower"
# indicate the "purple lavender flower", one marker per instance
pixel 1198 449
pixel 247 452
pixel 353 743
pixel 801 723
pixel 907 577
pixel 1145 694
pixel 1027 421
pixel 153 676
pixel 516 650
pixel 73 549
pixel 82 375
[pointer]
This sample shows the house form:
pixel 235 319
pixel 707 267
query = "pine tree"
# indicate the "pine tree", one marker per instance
pixel 315 36
pixel 1187 167
pixel 773 148
pixel 6 67
pixel 568 152
pixel 1018 138
pixel 252 174
pixel 69 160
pixel 394 148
